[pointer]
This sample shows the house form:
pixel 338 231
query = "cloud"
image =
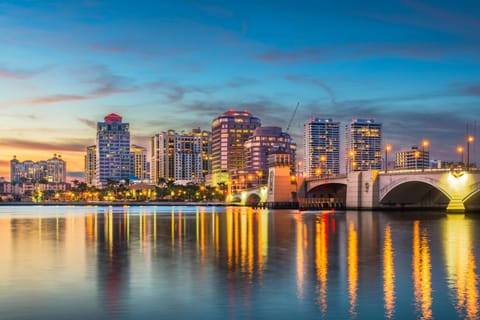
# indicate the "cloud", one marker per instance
pixel 238 82
pixel 444 15
pixel 471 90
pixel 89 123
pixel 366 50
pixel 174 92
pixel 70 145
pixel 20 74
pixel 302 79
pixel 58 98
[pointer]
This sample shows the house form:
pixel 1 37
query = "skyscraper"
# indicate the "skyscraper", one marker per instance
pixel 113 150
pixel 230 131
pixel 162 156
pixel 138 162
pixel 321 152
pixel 363 145
pixel 206 149
pixel 181 157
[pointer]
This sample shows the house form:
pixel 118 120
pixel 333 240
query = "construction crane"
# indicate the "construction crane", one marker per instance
pixel 293 116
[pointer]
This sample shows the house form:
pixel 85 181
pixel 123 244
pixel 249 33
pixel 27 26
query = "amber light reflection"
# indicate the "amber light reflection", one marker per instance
pixel 388 274
pixel 300 256
pixel 321 259
pixel 352 260
pixel 422 276
pixel 461 266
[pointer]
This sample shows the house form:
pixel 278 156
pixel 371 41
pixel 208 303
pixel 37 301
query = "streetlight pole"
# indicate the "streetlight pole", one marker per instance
pixel 387 149
pixel 469 139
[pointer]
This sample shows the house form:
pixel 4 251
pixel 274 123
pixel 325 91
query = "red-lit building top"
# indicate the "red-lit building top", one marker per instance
pixel 113 117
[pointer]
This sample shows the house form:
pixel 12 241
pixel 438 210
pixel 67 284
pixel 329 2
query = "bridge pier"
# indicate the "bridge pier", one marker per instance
pixel 456 205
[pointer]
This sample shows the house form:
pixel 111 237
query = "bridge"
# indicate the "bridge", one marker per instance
pixel 451 190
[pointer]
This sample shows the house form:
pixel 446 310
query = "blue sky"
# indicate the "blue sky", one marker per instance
pixel 412 65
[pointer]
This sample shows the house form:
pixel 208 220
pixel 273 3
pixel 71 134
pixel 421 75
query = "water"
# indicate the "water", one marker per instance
pixel 236 263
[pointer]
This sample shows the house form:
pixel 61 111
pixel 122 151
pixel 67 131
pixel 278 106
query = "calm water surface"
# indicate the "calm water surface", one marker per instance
pixel 236 263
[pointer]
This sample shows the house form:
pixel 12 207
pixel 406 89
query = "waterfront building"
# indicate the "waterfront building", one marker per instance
pixel 180 157
pixel 113 150
pixel 52 170
pixel 56 170
pixel 260 145
pixel 188 159
pixel 90 165
pixel 321 151
pixel 363 145
pixel 412 159
pixel 138 162
pixel 230 131
pixel 162 151
pixel 206 149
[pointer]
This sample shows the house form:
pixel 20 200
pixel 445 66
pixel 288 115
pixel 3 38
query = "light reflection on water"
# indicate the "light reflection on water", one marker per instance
pixel 190 262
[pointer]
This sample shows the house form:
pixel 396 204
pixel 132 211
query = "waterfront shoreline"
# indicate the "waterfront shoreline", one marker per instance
pixel 118 203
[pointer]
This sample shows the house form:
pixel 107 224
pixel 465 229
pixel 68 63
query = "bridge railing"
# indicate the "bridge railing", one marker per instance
pixel 326 177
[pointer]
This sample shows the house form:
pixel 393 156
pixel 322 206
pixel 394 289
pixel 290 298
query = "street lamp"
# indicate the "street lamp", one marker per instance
pixel 460 151
pixel 469 139
pixel 317 172
pixel 387 149
pixel 424 145
pixel 259 176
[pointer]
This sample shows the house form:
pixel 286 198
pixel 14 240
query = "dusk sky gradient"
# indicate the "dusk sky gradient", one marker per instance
pixel 411 65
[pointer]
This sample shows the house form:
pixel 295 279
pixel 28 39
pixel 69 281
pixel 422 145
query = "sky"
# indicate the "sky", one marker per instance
pixel 411 65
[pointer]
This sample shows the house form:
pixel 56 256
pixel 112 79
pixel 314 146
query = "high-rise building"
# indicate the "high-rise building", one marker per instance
pixel 321 151
pixel 261 144
pixel 206 142
pixel 113 150
pixel 181 157
pixel 188 159
pixel 412 159
pixel 54 170
pixel 138 162
pixel 230 131
pixel 363 145
pixel 90 165
pixel 162 156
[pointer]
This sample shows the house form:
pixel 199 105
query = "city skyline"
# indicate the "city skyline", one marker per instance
pixel 413 66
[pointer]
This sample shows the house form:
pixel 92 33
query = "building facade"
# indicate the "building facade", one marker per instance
pixel 363 145
pixel 230 131
pixel 139 166
pixel 321 148
pixel 113 150
pixel 162 156
pixel 180 157
pixel 412 159
pixel 53 170
pixel 206 149
pixel 263 142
